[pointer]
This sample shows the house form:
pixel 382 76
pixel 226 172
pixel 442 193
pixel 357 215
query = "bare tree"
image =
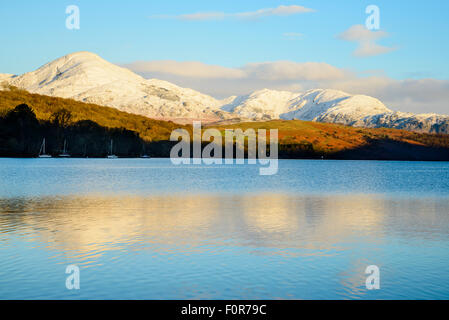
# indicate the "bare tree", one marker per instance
pixel 61 118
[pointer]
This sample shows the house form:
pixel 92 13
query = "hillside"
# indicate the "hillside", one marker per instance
pixel 97 124
pixel 307 139
pixel 44 106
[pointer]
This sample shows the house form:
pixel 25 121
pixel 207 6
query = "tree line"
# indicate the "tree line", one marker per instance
pixel 22 134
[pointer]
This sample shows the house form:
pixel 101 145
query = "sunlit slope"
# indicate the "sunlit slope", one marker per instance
pixel 44 106
pixel 314 138
pixel 297 138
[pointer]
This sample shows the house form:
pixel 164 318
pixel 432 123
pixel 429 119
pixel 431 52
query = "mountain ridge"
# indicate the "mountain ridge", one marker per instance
pixel 86 77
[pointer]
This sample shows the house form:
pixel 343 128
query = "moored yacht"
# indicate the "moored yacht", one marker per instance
pixel 64 153
pixel 144 154
pixel 42 153
pixel 111 155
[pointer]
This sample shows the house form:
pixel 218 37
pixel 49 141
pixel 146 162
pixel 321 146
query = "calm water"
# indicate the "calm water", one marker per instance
pixel 145 229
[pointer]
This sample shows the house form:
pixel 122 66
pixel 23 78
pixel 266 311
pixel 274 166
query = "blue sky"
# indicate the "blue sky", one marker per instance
pixel 34 32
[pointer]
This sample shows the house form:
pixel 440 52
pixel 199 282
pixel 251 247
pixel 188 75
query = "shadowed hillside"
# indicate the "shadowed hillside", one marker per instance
pixel 21 135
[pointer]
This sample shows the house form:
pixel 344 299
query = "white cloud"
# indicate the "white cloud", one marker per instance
pixel 288 70
pixel 412 95
pixel 366 40
pixel 279 11
pixel 360 33
pixel 261 13
pixel 190 69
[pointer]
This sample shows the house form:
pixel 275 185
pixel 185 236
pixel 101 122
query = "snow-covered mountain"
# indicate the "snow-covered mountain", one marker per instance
pixel 86 77
pixel 261 105
pixel 332 106
pixel 425 122
pixel 313 105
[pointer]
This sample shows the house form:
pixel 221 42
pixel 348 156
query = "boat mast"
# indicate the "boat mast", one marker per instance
pixel 40 150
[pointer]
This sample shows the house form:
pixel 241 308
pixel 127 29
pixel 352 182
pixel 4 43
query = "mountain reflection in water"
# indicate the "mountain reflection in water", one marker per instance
pixel 263 245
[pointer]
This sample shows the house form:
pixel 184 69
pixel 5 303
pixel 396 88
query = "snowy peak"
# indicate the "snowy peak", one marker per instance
pixel 86 77
pixel 336 106
pixel 77 72
pixel 332 106
pixel 313 105
pixel 261 105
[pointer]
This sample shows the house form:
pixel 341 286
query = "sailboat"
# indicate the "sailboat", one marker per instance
pixel 64 153
pixel 111 155
pixel 42 153
pixel 144 155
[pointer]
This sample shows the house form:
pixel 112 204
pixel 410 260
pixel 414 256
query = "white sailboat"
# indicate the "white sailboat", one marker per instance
pixel 111 155
pixel 144 154
pixel 42 153
pixel 64 153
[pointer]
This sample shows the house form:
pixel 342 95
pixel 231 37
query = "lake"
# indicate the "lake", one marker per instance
pixel 146 229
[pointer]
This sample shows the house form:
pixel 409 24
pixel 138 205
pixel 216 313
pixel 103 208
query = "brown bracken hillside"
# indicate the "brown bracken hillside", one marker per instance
pixel 297 139
pixel 45 106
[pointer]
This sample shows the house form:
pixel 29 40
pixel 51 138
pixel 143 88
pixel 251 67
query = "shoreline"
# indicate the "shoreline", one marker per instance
pixel 293 159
